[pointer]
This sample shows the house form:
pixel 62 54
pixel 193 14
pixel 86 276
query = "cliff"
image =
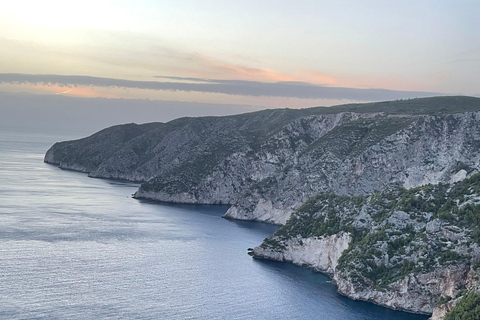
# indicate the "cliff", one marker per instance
pixel 266 164
pixel 407 249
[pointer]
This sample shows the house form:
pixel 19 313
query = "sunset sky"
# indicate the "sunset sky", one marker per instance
pixel 221 57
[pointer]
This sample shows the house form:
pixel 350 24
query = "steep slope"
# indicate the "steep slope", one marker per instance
pixel 251 167
pixel 266 164
pixel 366 156
pixel 141 152
pixel 404 249
pixel 88 154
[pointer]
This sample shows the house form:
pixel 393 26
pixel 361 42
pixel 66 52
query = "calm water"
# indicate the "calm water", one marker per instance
pixel 72 247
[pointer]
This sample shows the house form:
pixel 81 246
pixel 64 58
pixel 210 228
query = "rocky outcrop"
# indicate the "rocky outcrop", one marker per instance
pixel 473 286
pixel 407 249
pixel 320 254
pixel 440 311
pixel 416 293
pixel 251 171
pixel 100 151
pixel 422 151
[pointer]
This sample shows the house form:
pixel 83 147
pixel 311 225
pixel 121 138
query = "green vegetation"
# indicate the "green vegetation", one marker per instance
pixel 433 105
pixel 395 243
pixel 274 244
pixel 449 256
pixel 468 308
pixel 318 217
pixel 442 300
pixel 356 136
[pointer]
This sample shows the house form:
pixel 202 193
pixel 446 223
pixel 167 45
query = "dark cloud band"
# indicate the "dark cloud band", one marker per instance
pixel 230 87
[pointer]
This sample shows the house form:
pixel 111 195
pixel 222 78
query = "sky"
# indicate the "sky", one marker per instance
pixel 62 62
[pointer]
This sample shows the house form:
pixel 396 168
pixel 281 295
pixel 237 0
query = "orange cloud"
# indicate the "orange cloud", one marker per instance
pixel 64 92
pixel 180 63
pixel 246 73
pixel 316 77
pixel 199 66
pixel 84 92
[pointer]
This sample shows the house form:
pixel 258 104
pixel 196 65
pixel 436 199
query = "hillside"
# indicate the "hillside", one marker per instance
pixel 267 163
pixel 408 249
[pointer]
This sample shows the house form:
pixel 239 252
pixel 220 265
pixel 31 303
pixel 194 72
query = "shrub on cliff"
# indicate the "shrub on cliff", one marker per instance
pixel 466 309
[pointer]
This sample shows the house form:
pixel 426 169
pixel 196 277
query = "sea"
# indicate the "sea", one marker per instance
pixel 74 247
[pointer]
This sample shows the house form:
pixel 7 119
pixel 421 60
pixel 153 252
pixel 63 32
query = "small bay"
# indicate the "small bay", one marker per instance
pixel 73 247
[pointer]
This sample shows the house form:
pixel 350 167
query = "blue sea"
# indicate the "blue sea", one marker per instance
pixel 73 247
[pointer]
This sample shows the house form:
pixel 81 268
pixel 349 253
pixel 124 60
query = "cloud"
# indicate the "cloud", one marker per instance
pixel 194 64
pixel 288 89
pixel 64 92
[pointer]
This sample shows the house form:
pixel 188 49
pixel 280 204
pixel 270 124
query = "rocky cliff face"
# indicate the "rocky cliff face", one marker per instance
pixel 440 311
pixel 365 156
pixel 320 254
pixel 248 177
pixel 444 309
pixel 266 164
pixel 406 249
pixel 416 293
